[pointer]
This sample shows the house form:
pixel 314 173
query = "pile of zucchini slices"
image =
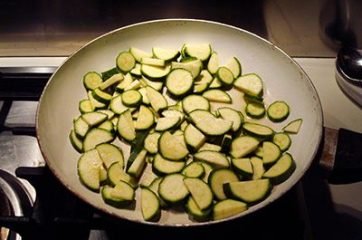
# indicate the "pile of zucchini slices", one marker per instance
pixel 174 109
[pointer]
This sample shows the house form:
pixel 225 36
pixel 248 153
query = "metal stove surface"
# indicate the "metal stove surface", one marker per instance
pixel 18 147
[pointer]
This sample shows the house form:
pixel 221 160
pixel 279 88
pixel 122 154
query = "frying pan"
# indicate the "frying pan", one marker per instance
pixel 283 78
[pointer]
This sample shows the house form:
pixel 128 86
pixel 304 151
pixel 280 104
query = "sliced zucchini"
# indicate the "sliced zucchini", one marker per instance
pixel 131 98
pixel 235 67
pixel 95 103
pixel 137 166
pixel 154 72
pixel 135 85
pixel 281 170
pixel 200 51
pixel 81 127
pixel 157 100
pixel 85 106
pixel 210 146
pixel 154 186
pixel 117 106
pixel 145 118
pixel 121 195
pixel 293 126
pixel 145 99
pixel 243 145
pixel 116 174
pixel 195 212
pixel 162 166
pixel 217 95
pixel 232 115
pixel 225 76
pixel 251 84
pixel 157 85
pixel 199 88
pixel 166 123
pixel 213 64
pixel 194 170
pixel 193 102
pixel 258 167
pixel 278 111
pixel 204 78
pixel 125 126
pixel 75 141
pixel 92 80
pixel 172 188
pixel 165 53
pixel 193 66
pixel 138 54
pixel 173 113
pixel 200 192
pixel 109 73
pixel 271 153
pixel 179 82
pixel 255 110
pixel 110 154
pixel 150 205
pixel 127 80
pixel 216 159
pixel 153 62
pixel 136 71
pixel 89 167
pixel 258 130
pixel 282 140
pixel 243 166
pixel 172 147
pixel 194 137
pixel 216 83
pixel 228 208
pixel 109 113
pixel 115 79
pixel 96 136
pixel 251 191
pixel 218 178
pixel 209 124
pixel 125 62
pixel 94 118
pixel 151 142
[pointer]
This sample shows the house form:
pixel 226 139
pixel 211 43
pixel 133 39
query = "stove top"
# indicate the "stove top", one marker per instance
pixel 307 211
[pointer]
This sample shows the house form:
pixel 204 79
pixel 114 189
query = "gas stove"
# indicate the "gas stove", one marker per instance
pixel 37 206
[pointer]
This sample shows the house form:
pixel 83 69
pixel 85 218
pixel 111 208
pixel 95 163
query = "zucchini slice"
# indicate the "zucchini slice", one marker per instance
pixel 193 66
pixel 172 188
pixel 243 145
pixel 293 126
pixel 157 100
pixel 251 84
pixel 271 153
pixel 96 136
pixel 127 80
pixel 281 170
pixel 258 130
pixel 218 178
pixel 151 142
pixel 110 154
pixel 243 166
pixel 164 166
pixel 228 208
pixel 75 141
pixel 150 205
pixel 200 51
pixel 251 191
pixel 232 115
pixel 282 140
pixel 195 212
pixel 255 110
pixel 116 78
pixel 145 118
pixel 209 124
pixel 155 72
pixel 179 82
pixel 200 192
pixel 116 173
pixel 258 167
pixel 194 170
pixel 166 123
pixel 138 165
pixel 121 195
pixel 92 80
pixel 94 118
pixel 125 126
pixel 235 67
pixel 213 158
pixel 194 137
pixel 165 53
pixel 131 98
pixel 89 169
pixel 217 95
pixel 172 147
pixel 213 63
pixel 125 61
pixel 194 102
pixel 85 106
pixel 225 75
pixel 117 106
pixel 153 61
pixel 278 111
pixel 81 127
pixel 139 53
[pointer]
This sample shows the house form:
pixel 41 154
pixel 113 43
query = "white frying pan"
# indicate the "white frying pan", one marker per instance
pixel 282 77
